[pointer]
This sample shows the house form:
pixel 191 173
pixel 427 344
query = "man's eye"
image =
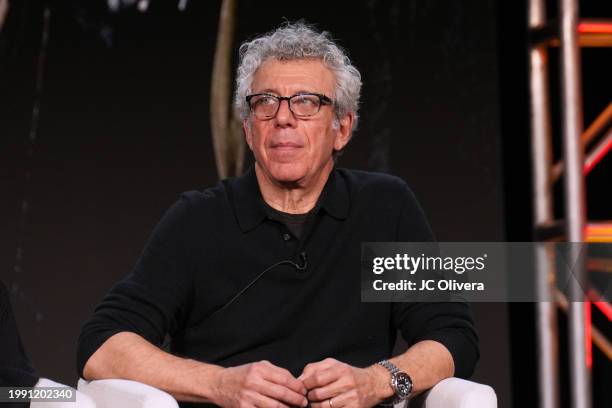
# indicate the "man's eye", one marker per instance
pixel 304 100
pixel 266 100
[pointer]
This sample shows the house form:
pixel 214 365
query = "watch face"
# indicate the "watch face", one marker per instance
pixel 403 384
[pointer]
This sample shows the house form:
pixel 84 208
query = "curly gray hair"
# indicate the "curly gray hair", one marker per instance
pixel 294 41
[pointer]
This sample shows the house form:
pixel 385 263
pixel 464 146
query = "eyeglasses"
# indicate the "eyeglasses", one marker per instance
pixel 266 106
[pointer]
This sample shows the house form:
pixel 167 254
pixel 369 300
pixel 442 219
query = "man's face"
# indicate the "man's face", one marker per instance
pixel 290 149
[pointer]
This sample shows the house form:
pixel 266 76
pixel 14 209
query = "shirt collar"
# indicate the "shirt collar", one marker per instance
pixel 335 198
pixel 249 205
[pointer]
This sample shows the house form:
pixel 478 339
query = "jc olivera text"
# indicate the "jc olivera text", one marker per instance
pixel 428 285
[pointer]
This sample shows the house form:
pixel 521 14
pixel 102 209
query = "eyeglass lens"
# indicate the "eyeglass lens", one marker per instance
pixel 266 106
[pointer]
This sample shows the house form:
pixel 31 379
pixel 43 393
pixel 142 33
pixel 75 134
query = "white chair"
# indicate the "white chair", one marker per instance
pixel 448 393
pixel 126 394
pixel 456 393
pixel 82 400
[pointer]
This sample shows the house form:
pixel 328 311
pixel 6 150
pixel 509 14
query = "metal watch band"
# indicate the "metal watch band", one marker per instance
pixel 389 366
pixel 392 368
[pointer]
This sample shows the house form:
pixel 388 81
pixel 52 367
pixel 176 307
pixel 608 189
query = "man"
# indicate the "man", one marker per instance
pixel 257 281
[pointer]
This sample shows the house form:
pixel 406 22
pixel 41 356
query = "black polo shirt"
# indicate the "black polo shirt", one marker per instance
pixel 199 280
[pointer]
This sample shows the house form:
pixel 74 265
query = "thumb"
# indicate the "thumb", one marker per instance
pixel 308 370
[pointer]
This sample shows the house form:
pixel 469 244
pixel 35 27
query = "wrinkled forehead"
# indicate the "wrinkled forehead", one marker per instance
pixel 287 77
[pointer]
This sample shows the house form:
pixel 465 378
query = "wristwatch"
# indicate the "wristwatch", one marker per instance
pixel 400 382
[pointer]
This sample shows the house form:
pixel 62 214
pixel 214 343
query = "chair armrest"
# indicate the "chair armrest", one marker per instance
pixel 456 393
pixel 126 394
pixel 82 400
pixel 448 393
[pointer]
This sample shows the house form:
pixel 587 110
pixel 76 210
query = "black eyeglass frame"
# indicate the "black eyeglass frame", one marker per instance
pixel 323 100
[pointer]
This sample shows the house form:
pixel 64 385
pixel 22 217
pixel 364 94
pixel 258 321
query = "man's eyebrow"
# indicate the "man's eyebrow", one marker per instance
pixel 273 92
pixel 268 91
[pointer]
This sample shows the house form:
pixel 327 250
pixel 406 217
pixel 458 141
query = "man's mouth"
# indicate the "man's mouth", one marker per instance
pixel 286 146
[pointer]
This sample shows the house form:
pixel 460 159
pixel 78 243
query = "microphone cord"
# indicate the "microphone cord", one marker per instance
pixel 285 262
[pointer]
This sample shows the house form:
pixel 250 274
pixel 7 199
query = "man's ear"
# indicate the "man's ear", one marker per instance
pixel 344 131
pixel 248 134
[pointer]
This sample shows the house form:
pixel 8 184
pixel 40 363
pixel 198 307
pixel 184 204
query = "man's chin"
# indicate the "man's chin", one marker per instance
pixel 291 174
pixel 286 175
pixel 287 179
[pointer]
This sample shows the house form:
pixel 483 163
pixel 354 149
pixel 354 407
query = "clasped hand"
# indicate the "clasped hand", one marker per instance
pixel 263 384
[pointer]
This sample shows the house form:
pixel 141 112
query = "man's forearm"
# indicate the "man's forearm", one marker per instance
pixel 128 356
pixel 427 362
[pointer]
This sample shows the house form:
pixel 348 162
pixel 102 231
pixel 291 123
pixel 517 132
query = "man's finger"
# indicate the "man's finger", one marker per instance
pixel 283 377
pixel 338 401
pixel 328 391
pixel 321 378
pixel 319 365
pixel 262 401
pixel 281 394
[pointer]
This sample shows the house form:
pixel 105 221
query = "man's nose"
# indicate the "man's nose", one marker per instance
pixel 284 116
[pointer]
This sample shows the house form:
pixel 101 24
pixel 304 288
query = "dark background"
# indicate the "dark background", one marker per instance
pixel 124 128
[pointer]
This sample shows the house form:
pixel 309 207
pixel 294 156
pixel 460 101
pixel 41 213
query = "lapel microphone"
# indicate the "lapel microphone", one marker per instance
pixel 304 262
